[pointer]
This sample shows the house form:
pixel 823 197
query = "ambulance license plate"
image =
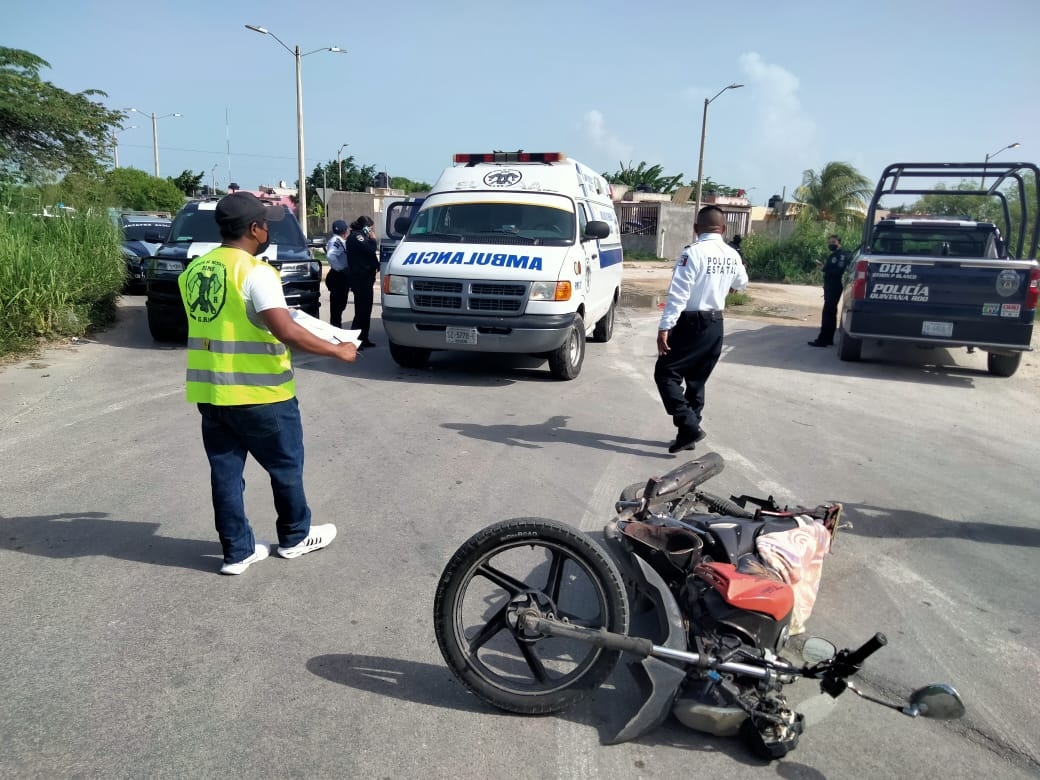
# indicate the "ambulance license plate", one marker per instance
pixel 460 335
pixel 941 329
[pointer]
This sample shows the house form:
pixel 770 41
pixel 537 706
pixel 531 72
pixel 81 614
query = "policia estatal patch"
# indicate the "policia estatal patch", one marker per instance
pixel 206 288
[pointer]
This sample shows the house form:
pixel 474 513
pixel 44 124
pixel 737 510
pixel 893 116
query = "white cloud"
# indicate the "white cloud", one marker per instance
pixel 595 127
pixel 782 130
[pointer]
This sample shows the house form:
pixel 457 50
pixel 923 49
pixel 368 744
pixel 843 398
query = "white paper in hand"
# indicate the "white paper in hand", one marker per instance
pixel 324 330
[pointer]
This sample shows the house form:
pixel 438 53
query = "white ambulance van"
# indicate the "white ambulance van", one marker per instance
pixel 510 252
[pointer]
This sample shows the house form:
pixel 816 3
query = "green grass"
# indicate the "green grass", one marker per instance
pixel 59 277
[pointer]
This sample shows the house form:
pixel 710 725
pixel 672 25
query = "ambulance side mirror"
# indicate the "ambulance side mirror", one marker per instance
pixel 596 229
pixel 401 225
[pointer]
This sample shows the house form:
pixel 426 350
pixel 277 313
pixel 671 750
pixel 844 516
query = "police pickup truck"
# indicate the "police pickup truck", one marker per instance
pixel 944 281
pixel 194 232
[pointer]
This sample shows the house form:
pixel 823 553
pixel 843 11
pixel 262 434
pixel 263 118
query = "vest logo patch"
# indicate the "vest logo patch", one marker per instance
pixel 207 290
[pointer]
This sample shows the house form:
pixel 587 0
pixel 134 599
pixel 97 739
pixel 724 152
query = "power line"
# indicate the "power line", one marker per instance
pixel 207 151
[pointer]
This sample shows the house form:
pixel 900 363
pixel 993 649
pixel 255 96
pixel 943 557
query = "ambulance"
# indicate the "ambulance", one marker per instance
pixel 510 252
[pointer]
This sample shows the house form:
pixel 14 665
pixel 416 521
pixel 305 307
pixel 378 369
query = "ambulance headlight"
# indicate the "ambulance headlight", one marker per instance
pixel 395 285
pixel 551 291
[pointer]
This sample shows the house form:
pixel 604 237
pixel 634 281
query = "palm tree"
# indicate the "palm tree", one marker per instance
pixel 648 178
pixel 838 193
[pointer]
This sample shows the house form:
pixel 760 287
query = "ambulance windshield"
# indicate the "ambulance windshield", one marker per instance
pixel 494 223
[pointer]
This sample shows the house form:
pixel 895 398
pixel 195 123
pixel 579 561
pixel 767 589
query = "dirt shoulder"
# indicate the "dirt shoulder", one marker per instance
pixel 789 304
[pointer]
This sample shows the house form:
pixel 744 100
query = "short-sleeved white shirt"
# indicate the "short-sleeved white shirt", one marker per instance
pixel 262 290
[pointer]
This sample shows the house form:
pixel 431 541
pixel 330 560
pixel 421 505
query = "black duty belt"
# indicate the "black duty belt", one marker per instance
pixel 710 315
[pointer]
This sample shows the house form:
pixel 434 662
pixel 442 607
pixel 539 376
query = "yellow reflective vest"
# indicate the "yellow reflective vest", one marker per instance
pixel 231 361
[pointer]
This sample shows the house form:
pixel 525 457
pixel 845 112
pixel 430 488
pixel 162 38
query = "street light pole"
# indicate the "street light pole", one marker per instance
pixel 1015 145
pixel 704 128
pixel 155 136
pixel 302 185
pixel 115 145
pixel 339 164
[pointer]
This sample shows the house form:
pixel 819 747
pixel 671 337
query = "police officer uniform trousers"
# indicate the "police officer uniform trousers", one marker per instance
pixel 695 345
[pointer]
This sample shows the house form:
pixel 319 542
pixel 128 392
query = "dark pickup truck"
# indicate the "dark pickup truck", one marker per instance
pixel 943 281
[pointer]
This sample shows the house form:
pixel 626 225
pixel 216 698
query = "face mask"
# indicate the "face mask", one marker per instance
pixel 263 247
pixel 832 247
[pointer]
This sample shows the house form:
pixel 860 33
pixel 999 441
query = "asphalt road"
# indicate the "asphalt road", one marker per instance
pixel 127 655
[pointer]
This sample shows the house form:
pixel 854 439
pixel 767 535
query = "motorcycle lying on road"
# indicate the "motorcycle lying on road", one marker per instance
pixel 532 615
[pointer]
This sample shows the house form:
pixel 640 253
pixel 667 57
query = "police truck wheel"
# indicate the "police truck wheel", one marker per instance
pixel 409 357
pixel 565 362
pixel 1003 365
pixel 605 327
pixel 163 329
pixel 848 348
pixel 528 565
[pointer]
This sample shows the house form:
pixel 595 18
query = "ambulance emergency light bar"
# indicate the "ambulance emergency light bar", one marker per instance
pixel 510 157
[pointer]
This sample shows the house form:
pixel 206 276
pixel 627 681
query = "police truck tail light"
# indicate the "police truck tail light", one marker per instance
pixel 395 285
pixel 859 280
pixel 1033 290
pixel 551 291
pixel 509 157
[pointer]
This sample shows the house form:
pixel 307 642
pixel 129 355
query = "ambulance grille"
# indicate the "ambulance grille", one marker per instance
pixel 445 295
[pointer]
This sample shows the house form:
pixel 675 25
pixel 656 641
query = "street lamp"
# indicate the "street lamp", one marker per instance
pixel 299 112
pixel 1015 145
pixel 115 144
pixel 704 127
pixel 339 164
pixel 155 136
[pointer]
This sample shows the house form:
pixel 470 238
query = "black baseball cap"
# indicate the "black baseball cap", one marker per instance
pixel 239 210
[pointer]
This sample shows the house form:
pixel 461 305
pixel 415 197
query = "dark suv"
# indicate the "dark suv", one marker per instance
pixel 193 233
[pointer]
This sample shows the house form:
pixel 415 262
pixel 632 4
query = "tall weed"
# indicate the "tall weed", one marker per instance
pixel 59 276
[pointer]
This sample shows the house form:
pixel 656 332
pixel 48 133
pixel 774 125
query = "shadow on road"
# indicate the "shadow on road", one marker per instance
pixel 784 346
pixel 434 686
pixel 87 534
pixel 882 522
pixel 555 430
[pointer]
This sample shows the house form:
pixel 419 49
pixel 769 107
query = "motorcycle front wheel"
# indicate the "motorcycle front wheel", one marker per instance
pixel 525 564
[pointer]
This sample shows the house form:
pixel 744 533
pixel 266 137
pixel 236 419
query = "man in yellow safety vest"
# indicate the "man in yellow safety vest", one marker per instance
pixel 240 374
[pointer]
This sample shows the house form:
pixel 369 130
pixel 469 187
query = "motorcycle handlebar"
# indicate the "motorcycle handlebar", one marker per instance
pixel 868 648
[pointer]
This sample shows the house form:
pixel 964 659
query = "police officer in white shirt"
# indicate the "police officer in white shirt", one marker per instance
pixel 689 337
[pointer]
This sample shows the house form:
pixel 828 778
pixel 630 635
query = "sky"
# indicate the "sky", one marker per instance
pixel 608 83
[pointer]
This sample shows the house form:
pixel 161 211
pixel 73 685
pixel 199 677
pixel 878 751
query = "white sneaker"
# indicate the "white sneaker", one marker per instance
pixel 320 536
pixel 260 552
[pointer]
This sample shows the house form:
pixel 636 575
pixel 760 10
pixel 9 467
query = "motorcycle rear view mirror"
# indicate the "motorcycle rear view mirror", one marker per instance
pixel 816 650
pixel 939 701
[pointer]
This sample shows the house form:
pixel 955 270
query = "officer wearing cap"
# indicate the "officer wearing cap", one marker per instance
pixel 240 374
pixel 337 279
pixel 689 336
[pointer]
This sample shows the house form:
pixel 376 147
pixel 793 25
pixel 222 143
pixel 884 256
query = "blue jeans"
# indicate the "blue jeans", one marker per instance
pixel 273 435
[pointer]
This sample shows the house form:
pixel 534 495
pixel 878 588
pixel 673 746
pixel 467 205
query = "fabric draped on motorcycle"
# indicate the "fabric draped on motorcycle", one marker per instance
pixel 797 557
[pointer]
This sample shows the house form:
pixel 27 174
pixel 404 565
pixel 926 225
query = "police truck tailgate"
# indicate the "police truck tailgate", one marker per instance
pixel 956 302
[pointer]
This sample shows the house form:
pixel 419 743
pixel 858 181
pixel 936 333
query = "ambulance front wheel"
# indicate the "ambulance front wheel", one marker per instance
pixel 409 357
pixel 565 362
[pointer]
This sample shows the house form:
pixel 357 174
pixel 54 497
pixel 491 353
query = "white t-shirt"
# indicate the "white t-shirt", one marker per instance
pixel 262 290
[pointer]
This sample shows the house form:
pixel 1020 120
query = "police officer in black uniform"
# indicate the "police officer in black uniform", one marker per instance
pixel 362 266
pixel 833 271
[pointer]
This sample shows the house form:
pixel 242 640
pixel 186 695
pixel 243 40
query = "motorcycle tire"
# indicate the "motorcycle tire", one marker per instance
pixel 520 563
